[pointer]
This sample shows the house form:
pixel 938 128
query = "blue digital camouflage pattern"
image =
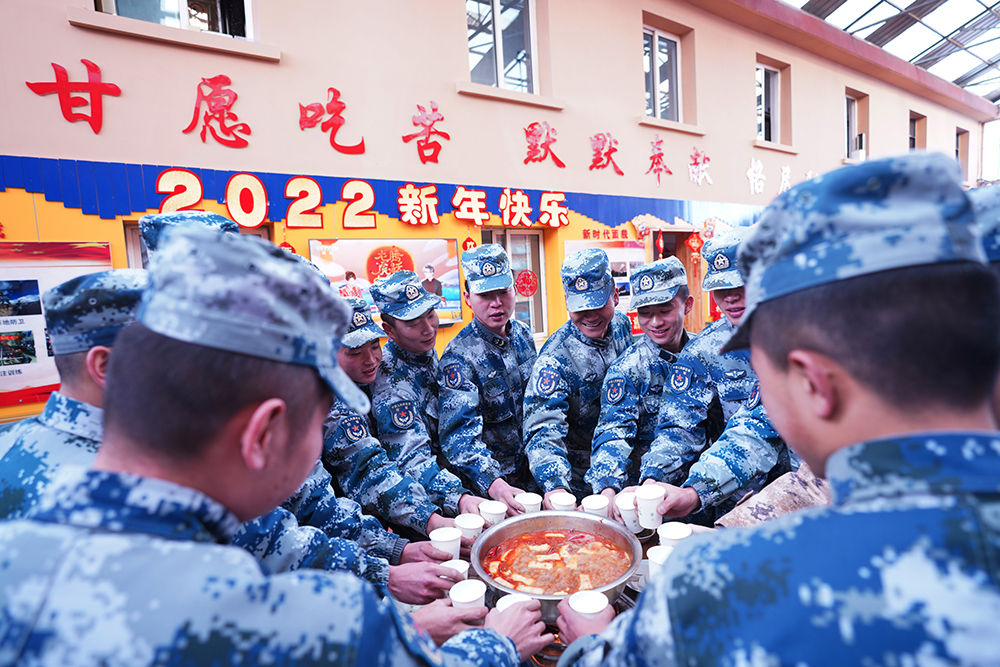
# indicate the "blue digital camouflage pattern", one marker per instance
pixel 986 207
pixel 748 455
pixel 902 570
pixel 481 403
pixel 656 282
pixel 243 294
pixel 705 389
pixel 720 256
pixel 152 226
pixel 364 472
pixel 90 310
pixel 586 279
pixel 405 405
pixel 67 432
pixel 562 403
pixel 861 219
pixel 361 330
pixel 402 296
pixel 487 268
pixel 76 588
pixel 630 404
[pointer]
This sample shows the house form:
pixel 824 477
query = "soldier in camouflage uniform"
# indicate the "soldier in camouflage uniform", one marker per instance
pixel 214 408
pixel 351 450
pixel 902 569
pixel 633 387
pixel 986 203
pixel 405 391
pixel 484 371
pixel 706 387
pixel 562 401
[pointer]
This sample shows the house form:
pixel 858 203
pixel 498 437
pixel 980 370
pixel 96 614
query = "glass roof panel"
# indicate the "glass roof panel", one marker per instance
pixel 912 42
pixel 955 65
pixel 953 14
pixel 849 12
pixel 873 20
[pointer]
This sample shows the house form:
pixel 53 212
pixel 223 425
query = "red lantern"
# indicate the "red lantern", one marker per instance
pixel 694 242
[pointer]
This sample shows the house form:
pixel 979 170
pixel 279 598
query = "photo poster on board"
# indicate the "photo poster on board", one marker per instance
pixel 624 257
pixel 27 270
pixel 352 265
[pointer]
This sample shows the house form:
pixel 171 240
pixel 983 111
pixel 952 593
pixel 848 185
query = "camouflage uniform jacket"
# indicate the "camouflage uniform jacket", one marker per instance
pixel 564 390
pixel 481 403
pixel 630 403
pixel 124 570
pixel 405 404
pixel 706 388
pixel 67 432
pixel 748 455
pixel 365 473
pixel 903 569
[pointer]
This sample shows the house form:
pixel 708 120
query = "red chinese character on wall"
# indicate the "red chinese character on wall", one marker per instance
pixel 418 206
pixel 540 138
pixel 470 206
pixel 698 168
pixel 551 210
pixel 311 114
pixel 64 89
pixel 219 101
pixel 624 233
pixel 604 146
pixel 427 150
pixel 586 234
pixel 515 208
pixel 656 163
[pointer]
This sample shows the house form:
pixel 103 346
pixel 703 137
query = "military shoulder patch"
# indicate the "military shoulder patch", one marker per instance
pixel 401 414
pixel 452 376
pixel 680 378
pixel 735 374
pixel 547 381
pixel 616 390
pixel 354 428
pixel 754 400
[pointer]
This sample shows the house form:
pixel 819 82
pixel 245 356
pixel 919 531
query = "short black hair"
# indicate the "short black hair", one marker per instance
pixel 349 275
pixel 173 397
pixel 71 367
pixel 916 336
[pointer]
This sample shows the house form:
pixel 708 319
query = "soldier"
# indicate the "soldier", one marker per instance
pixel 706 387
pixel 351 450
pixel 405 391
pixel 214 408
pixel 562 400
pixel 483 374
pixel 873 325
pixel 986 203
pixel 633 387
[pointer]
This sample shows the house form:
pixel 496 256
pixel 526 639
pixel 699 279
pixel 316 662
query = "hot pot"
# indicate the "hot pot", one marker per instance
pixel 550 520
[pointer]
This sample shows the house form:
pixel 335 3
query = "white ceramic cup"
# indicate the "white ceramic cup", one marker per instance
pixel 672 532
pixel 647 498
pixel 447 539
pixel 626 507
pixel 468 593
pixel 512 598
pixel 563 501
pixel 595 504
pixel 460 566
pixel 492 511
pixel 531 502
pixel 657 556
pixel 471 525
pixel 588 603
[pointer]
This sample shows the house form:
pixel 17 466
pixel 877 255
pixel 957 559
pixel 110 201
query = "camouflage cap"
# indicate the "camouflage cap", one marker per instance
pixel 487 268
pixel 858 220
pixel 986 207
pixel 90 310
pixel 151 226
pixel 402 296
pixel 243 294
pixel 586 279
pixel 657 282
pixel 720 254
pixel 361 330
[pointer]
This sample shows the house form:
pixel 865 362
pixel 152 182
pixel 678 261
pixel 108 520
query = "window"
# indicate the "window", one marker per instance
pixel 768 106
pixel 856 125
pixel 918 131
pixel 525 251
pixel 135 254
pixel 228 17
pixel 500 34
pixel 962 151
pixel 661 68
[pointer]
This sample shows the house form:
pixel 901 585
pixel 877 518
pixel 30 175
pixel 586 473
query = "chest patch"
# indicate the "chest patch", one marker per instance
pixel 401 414
pixel 680 378
pixel 547 381
pixel 452 376
pixel 735 374
pixel 355 428
pixel 754 400
pixel 616 390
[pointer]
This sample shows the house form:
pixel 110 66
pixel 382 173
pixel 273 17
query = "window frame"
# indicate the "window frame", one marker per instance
pixel 111 7
pixel 498 50
pixel 676 83
pixel 773 75
pixel 502 237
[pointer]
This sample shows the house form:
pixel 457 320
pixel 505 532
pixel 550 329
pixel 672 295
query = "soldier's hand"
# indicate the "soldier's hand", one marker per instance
pixel 423 552
pixel 546 503
pixel 420 583
pixel 678 501
pixel 469 504
pixel 522 622
pixel 442 621
pixel 504 492
pixel 573 625
pixel 613 512
pixel 465 550
pixel 438 521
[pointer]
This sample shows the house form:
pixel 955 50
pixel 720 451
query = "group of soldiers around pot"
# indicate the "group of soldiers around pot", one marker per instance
pixel 236 469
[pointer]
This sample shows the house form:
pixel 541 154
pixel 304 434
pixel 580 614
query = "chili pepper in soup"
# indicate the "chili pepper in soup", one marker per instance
pixel 556 562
